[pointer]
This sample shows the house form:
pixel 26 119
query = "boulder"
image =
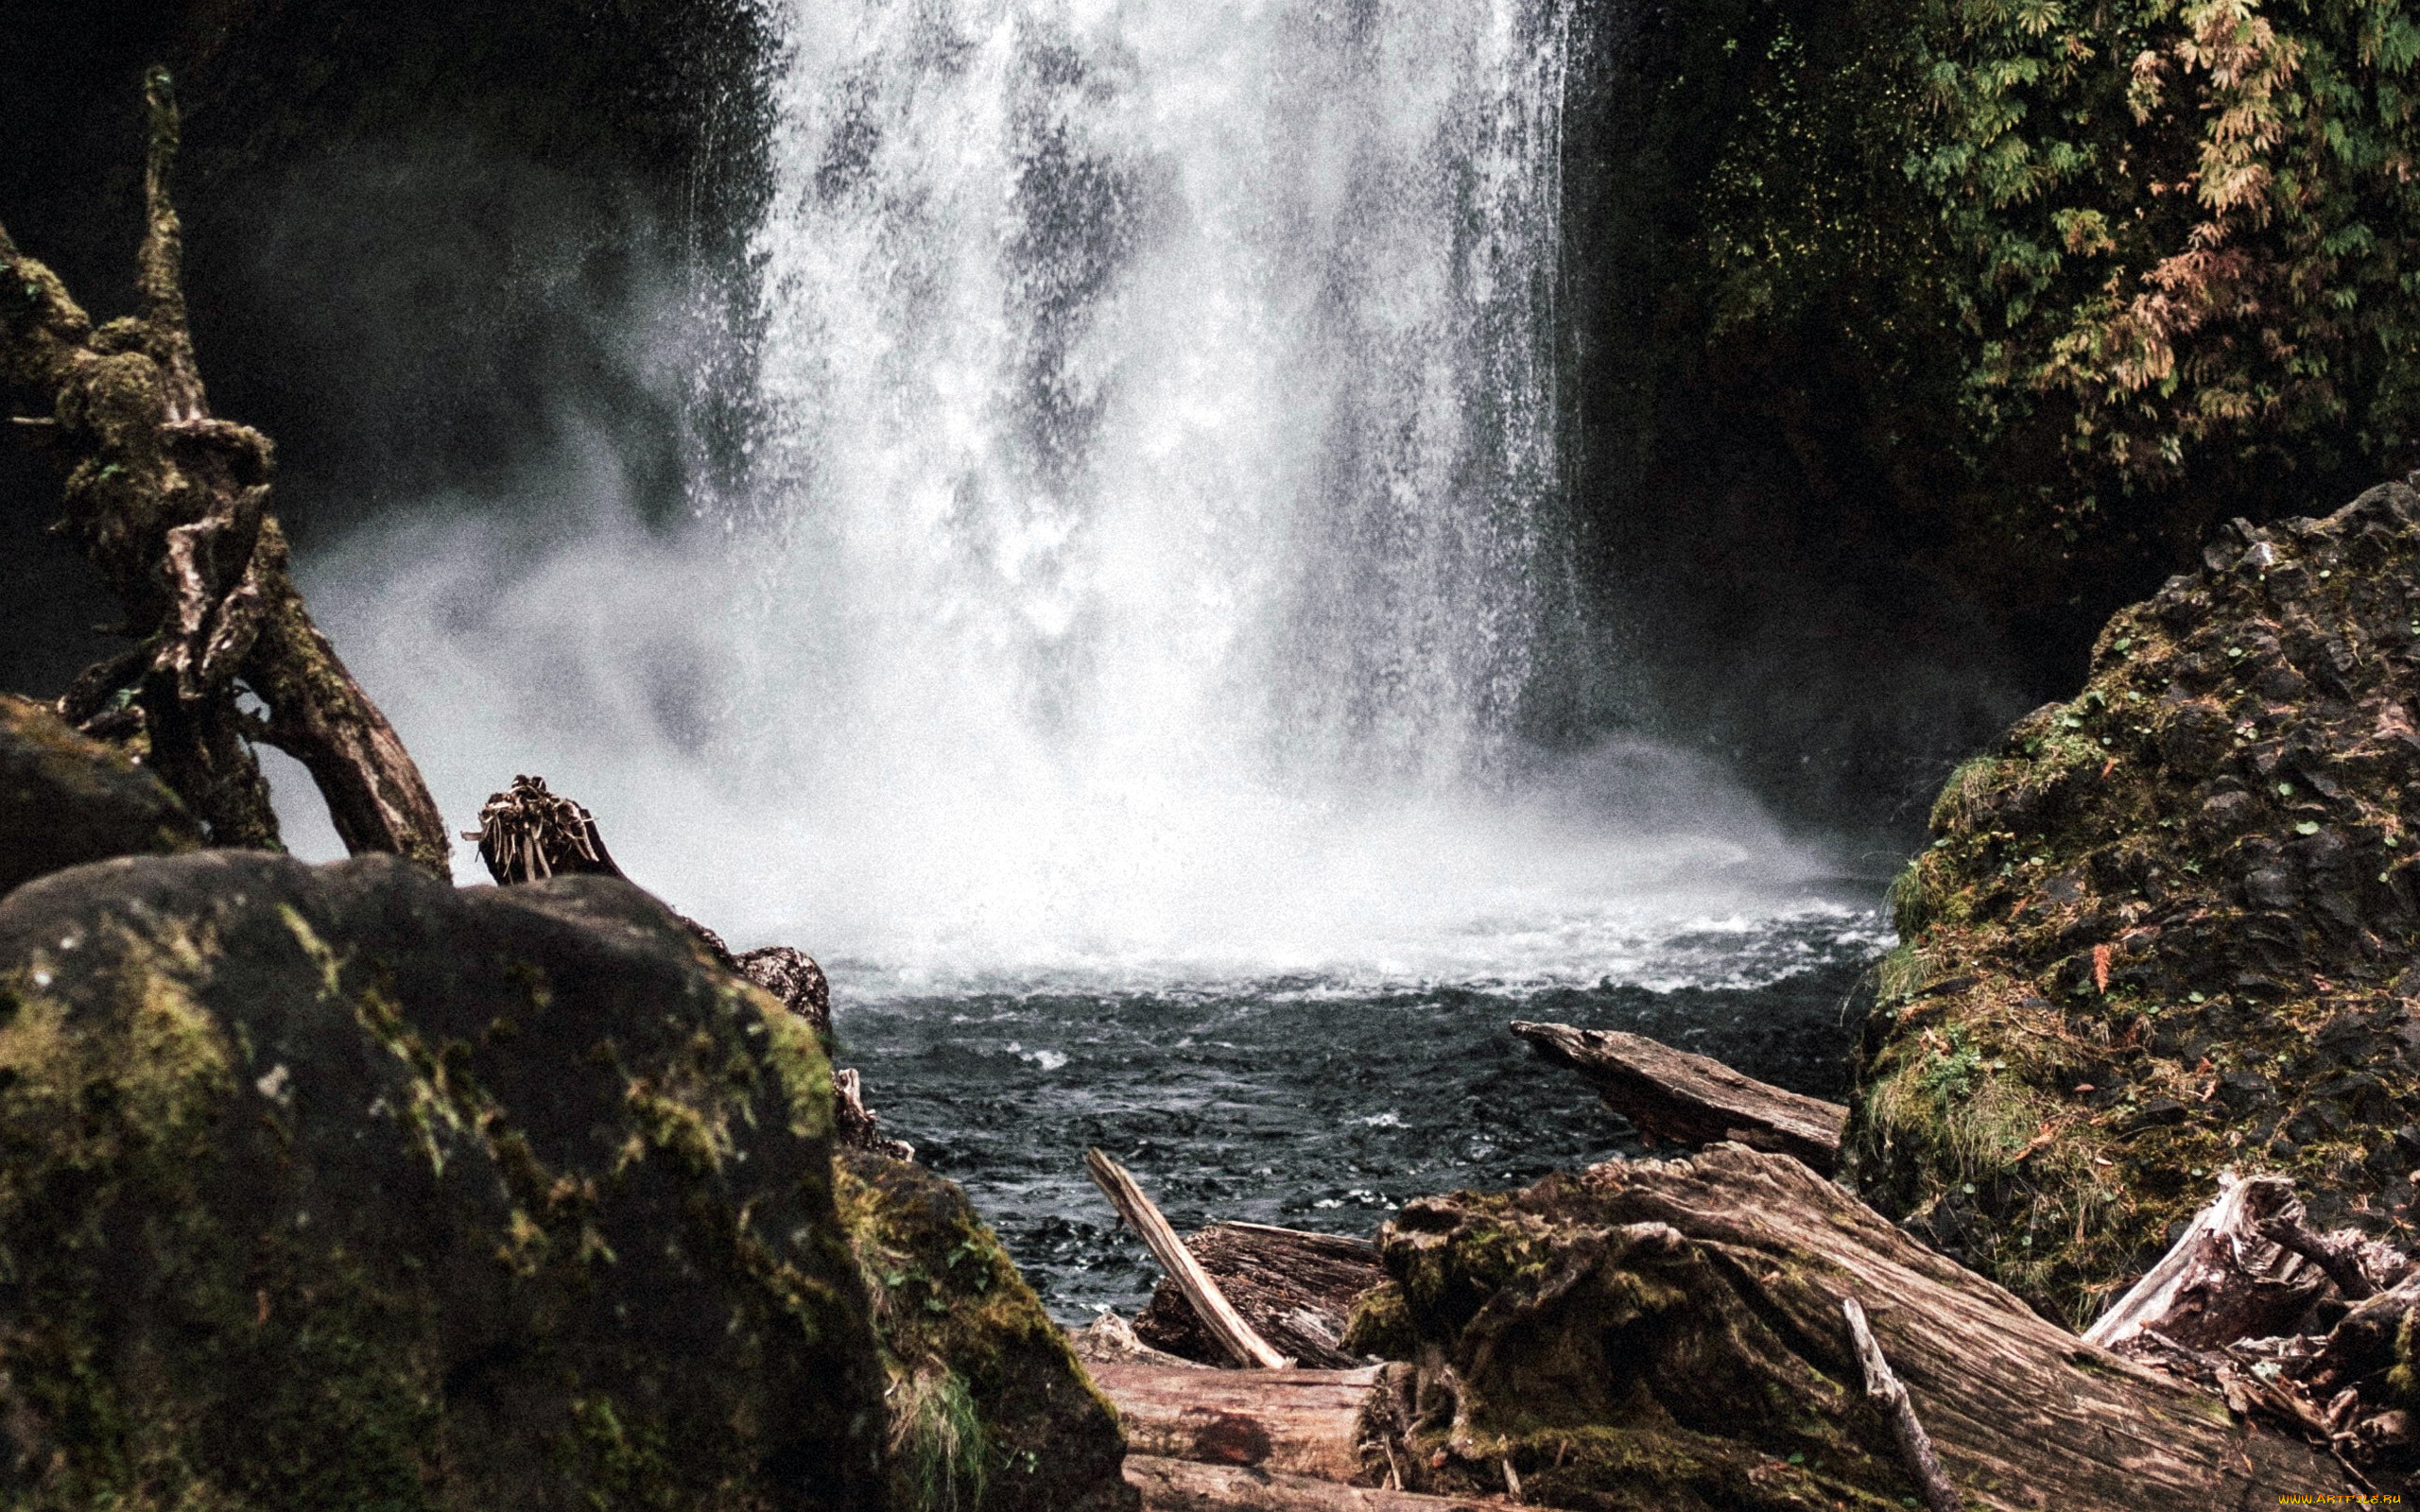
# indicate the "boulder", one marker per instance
pixel 2166 929
pixel 66 799
pixel 336 1188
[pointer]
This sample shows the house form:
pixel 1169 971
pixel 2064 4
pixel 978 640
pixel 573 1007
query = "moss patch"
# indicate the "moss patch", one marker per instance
pixel 335 1189
pixel 65 800
pixel 1603 1364
pixel 2165 929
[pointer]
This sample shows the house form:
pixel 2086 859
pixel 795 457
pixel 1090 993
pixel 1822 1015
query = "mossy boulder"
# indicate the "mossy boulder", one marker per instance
pixel 335 1188
pixel 2168 928
pixel 989 1407
pixel 65 800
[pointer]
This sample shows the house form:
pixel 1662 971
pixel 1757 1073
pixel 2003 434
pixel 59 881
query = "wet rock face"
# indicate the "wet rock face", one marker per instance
pixel 65 800
pixel 334 1188
pixel 2186 904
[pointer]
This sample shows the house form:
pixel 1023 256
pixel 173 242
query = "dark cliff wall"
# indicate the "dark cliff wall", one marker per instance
pixel 1912 338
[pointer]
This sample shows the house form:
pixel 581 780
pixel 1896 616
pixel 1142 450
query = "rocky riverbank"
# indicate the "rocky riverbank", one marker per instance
pixel 340 1187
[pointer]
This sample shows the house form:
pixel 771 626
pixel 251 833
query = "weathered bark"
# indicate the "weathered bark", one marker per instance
pixel 1186 1486
pixel 1673 1330
pixel 1109 1339
pixel 2222 1280
pixel 1689 1099
pixel 1202 1294
pixel 1301 1422
pixel 172 506
pixel 1295 1289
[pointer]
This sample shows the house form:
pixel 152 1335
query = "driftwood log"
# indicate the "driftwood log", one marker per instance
pixel 1674 1327
pixel 1189 1486
pixel 171 503
pixel 1299 1422
pixel 2222 1280
pixel 1295 1289
pixel 1236 1336
pixel 1689 1099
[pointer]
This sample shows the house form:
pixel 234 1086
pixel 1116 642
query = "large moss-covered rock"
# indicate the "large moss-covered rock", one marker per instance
pixel 336 1189
pixel 2168 927
pixel 65 800
pixel 987 1406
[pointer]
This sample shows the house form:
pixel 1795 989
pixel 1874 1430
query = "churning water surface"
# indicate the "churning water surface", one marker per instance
pixel 1114 657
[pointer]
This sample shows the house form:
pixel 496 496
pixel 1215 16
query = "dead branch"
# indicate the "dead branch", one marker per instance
pixel 1203 1293
pixel 1916 1445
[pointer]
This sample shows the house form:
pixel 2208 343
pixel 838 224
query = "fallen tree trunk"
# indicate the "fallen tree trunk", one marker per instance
pixel 1295 1289
pixel 172 506
pixel 1673 1330
pixel 1301 1422
pixel 1186 1486
pixel 1690 1099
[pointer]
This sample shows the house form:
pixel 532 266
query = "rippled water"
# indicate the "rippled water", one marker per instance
pixel 1309 1102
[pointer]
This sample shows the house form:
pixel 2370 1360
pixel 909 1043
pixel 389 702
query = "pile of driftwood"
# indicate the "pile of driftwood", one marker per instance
pixel 2256 1360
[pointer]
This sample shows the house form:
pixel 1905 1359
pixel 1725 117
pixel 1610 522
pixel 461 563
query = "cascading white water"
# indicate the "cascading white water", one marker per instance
pixel 1141 562
pixel 1155 393
pixel 1156 419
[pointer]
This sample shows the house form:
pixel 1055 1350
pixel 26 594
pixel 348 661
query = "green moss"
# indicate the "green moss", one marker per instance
pixel 1381 1325
pixel 986 1401
pixel 285 1230
pixel 2156 933
pixel 1605 1365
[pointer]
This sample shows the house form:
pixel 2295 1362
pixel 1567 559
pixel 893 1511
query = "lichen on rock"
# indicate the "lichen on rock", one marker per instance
pixel 336 1189
pixel 2167 928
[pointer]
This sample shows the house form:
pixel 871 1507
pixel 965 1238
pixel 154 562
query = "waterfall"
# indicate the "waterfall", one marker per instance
pixel 1156 395
pixel 1143 551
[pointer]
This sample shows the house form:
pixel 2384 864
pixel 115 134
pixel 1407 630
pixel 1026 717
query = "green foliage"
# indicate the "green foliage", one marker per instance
pixel 2186 227
pixel 2112 263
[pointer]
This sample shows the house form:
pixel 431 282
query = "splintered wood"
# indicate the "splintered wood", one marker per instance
pixel 2222 1280
pixel 1295 1289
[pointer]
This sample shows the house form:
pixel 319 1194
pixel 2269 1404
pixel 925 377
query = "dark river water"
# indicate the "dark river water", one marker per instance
pixel 1310 1103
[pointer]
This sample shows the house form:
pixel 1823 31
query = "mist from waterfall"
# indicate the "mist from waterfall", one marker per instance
pixel 1146 543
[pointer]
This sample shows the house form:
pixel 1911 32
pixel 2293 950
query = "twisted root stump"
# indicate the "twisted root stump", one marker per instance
pixel 171 503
